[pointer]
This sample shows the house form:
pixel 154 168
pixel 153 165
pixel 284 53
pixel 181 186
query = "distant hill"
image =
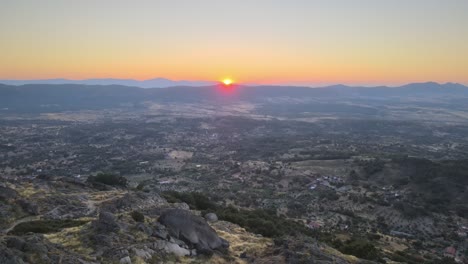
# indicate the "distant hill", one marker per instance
pixel 151 83
pixel 60 97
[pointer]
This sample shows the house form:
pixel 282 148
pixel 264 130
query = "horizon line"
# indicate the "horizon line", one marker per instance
pixel 214 83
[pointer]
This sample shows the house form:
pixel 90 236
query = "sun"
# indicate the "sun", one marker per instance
pixel 227 81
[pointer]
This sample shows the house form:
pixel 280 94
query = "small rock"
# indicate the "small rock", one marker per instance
pixel 145 254
pixel 160 231
pixel 178 242
pixel 171 248
pixel 182 206
pixel 176 250
pixel 125 260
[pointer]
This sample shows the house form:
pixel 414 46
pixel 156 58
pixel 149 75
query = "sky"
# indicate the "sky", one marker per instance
pixel 311 42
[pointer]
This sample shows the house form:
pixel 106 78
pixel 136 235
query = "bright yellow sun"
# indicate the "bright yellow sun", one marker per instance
pixel 227 81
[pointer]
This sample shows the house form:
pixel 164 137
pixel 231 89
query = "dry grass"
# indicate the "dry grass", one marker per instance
pixel 70 239
pixel 334 252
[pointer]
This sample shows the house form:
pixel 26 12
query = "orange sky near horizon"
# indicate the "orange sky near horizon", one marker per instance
pixel 266 42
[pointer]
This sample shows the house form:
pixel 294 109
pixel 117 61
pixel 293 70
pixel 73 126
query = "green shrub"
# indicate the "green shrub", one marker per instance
pixel 137 216
pixel 195 200
pixel 361 248
pixel 45 226
pixel 109 179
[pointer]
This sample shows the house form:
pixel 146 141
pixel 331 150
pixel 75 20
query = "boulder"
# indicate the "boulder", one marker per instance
pixel 106 223
pixel 125 260
pixel 145 253
pixel 193 230
pixel 211 217
pixel 171 248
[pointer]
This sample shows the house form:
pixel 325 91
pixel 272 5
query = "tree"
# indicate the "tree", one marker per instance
pixel 108 179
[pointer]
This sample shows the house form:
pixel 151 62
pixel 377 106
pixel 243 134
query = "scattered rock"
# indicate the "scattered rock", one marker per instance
pixel 145 229
pixel 178 242
pixel 145 254
pixel 160 231
pixel 211 217
pixel 193 230
pixel 67 212
pixel 133 201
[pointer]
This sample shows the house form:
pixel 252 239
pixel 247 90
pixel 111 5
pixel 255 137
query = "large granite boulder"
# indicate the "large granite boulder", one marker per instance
pixel 193 230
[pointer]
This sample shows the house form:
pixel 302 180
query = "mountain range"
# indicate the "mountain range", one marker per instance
pixel 151 83
pixel 61 97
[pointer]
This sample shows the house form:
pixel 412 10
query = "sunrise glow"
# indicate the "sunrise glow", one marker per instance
pixel 275 42
pixel 227 82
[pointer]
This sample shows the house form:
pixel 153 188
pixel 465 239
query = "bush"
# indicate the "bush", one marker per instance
pixel 195 200
pixel 108 179
pixel 361 248
pixel 137 216
pixel 45 226
pixel 329 195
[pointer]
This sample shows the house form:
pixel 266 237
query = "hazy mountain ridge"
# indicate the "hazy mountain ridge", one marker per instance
pixel 150 83
pixel 60 97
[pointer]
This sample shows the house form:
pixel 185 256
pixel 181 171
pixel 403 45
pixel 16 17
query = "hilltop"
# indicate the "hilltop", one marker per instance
pixel 49 219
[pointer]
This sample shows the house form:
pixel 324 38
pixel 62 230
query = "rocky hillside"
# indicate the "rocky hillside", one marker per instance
pixel 62 220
